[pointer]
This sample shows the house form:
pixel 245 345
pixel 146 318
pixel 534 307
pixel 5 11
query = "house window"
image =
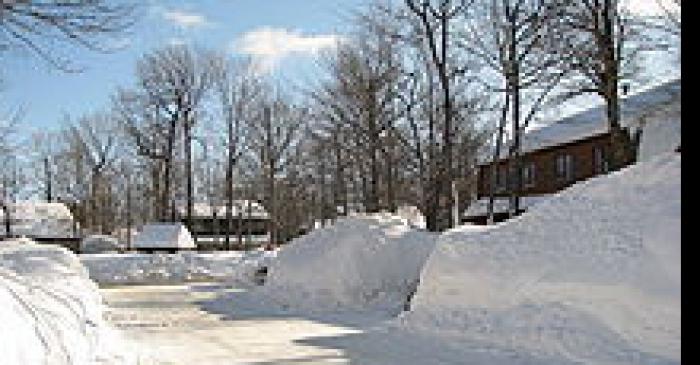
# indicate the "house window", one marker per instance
pixel 565 167
pixel 600 163
pixel 529 175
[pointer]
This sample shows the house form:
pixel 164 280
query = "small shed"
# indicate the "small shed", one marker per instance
pixel 167 237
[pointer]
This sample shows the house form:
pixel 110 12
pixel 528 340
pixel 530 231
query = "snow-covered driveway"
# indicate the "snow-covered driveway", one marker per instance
pixel 168 326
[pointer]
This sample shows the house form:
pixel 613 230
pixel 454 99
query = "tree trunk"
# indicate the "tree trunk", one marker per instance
pixel 229 188
pixel 128 215
pixel 168 170
pixel 496 157
pixel 8 218
pixel 188 171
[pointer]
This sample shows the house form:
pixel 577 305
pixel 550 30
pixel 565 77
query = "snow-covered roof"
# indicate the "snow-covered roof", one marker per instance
pixel 239 207
pixel 40 219
pixel 593 121
pixel 500 205
pixel 38 210
pixel 164 235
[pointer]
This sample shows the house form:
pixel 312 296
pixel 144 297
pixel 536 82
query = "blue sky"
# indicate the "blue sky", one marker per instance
pixel 282 34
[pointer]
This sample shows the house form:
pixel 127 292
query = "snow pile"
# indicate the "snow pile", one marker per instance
pixel 589 276
pixel 135 268
pixel 101 244
pixel 359 263
pixel 413 216
pixel 51 311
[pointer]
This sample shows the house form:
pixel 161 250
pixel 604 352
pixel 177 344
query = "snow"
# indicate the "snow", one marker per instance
pixel 634 110
pixel 500 205
pixel 51 311
pixel 38 219
pixel 240 207
pixel 165 236
pixel 661 132
pixel 412 215
pixel 101 244
pixel 363 262
pixel 589 276
pixel 136 268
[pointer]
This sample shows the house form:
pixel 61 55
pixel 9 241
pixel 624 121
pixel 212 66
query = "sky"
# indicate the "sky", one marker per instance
pixel 283 36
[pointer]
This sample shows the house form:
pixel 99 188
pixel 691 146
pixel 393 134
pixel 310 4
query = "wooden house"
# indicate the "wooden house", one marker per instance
pixel 249 227
pixel 41 222
pixel 573 149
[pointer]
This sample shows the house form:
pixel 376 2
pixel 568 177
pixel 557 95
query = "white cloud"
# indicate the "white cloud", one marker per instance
pixel 268 46
pixel 177 41
pixel 185 19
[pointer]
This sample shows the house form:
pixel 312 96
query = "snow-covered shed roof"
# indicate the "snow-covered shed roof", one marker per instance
pixel 164 235
pixel 479 208
pixel 239 207
pixel 593 121
pixel 40 219
pixel 38 210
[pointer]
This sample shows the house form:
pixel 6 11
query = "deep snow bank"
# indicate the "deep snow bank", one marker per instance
pixel 51 311
pixel 359 263
pixel 137 268
pixel 591 275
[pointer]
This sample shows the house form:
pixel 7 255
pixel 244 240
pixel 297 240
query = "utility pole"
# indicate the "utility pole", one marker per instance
pixel 455 205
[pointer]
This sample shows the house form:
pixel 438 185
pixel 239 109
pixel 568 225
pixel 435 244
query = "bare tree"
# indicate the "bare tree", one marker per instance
pixel 512 41
pixel 359 96
pixel 45 27
pixel 10 183
pixel 152 129
pixel 96 139
pixel 238 92
pixel 597 43
pixel 437 26
pixel 275 134
pixel 172 84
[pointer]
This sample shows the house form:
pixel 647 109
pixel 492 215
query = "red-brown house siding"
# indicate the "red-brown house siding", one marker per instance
pixel 545 178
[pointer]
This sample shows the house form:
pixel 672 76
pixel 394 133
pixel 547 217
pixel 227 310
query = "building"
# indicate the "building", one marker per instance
pixel 41 222
pixel 250 227
pixel 575 148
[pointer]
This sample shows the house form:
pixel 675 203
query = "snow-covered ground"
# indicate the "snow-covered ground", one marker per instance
pixel 168 325
pixel 157 268
pixel 51 311
pixel 590 276
pixel 101 244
